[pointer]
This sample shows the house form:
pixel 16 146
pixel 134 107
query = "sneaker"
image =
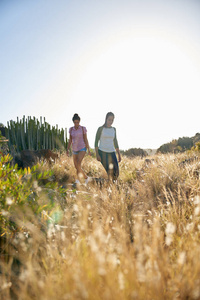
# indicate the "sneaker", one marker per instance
pixel 77 181
pixel 87 180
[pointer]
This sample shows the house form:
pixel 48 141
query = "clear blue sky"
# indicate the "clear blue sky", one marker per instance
pixel 139 59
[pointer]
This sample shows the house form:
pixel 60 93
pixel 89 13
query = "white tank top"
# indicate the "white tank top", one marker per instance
pixel 107 140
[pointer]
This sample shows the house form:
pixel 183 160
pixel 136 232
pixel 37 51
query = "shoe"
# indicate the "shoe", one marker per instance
pixel 87 180
pixel 77 181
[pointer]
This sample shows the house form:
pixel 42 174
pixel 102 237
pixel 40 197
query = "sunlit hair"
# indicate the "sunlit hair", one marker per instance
pixel 109 114
pixel 76 117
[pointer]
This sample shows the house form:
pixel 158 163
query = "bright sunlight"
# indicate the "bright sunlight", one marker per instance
pixel 140 68
pixel 136 77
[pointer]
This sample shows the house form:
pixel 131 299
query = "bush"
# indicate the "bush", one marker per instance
pixel 22 190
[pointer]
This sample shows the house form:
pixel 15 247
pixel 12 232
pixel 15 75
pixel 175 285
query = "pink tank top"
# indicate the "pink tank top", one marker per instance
pixel 77 137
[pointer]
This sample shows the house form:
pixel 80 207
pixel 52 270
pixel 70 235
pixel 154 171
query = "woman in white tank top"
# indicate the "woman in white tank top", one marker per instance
pixel 106 146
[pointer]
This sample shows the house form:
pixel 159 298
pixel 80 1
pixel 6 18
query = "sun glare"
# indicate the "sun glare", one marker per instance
pixel 139 68
pixel 144 79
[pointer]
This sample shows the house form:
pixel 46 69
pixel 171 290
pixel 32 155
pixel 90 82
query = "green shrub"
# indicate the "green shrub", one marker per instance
pixel 23 190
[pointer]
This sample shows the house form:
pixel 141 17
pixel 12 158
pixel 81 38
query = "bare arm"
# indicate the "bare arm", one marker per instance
pixel 86 143
pixel 119 155
pixel 97 154
pixel 97 138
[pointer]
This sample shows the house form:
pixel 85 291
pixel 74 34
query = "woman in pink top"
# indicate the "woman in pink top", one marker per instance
pixel 79 141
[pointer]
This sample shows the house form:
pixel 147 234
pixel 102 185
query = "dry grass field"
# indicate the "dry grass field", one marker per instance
pixel 136 239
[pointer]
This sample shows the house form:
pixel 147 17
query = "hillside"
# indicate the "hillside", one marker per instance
pixel 180 145
pixel 137 239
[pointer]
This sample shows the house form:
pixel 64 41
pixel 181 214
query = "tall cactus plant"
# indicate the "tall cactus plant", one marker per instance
pixel 30 133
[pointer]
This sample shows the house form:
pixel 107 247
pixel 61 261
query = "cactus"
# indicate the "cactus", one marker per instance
pixel 33 134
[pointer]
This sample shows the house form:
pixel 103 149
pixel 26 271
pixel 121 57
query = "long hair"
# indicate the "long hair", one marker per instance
pixel 76 117
pixel 109 114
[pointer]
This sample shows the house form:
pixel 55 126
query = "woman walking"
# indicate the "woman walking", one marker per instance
pixel 79 141
pixel 106 146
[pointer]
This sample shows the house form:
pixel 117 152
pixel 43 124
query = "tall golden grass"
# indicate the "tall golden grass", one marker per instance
pixel 136 239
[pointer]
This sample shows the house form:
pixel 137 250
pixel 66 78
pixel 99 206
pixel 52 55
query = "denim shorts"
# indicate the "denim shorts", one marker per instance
pixel 77 152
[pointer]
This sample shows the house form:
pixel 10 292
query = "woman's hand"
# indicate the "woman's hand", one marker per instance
pixel 89 152
pixel 119 155
pixel 97 154
pixel 98 157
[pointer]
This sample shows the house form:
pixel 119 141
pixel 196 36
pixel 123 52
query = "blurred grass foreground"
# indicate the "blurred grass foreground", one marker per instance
pixel 137 239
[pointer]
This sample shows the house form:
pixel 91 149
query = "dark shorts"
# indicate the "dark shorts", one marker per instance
pixel 110 163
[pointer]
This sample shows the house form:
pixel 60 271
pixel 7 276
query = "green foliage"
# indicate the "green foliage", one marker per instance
pixel 196 147
pixel 22 190
pixel 134 152
pixel 196 138
pixel 3 145
pixel 185 143
pixel 180 145
pixel 176 146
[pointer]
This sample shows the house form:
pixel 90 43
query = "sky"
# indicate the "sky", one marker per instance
pixel 139 59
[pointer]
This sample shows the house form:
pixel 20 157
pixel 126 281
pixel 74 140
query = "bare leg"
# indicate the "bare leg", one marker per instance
pixel 77 163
